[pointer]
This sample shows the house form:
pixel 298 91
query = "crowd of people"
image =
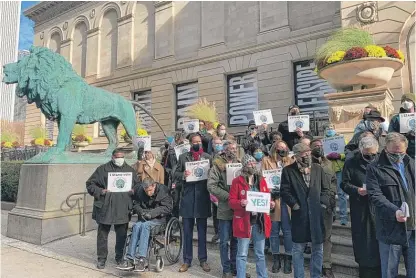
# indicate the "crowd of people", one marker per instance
pixel 376 171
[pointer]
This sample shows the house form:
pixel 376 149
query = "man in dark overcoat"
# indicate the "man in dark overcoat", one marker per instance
pixel 194 204
pixel 305 188
pixel 111 208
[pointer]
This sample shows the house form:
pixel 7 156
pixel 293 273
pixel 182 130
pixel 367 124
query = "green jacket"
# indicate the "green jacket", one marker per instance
pixel 217 186
pixel 338 164
pixel 331 178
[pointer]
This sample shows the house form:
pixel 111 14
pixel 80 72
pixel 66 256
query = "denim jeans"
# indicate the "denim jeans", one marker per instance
pixel 285 225
pixel 390 257
pixel 188 231
pixel 243 243
pixel 342 199
pixel 140 239
pixel 315 264
pixel 228 259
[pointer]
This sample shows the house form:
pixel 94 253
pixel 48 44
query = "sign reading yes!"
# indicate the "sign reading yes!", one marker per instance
pixel 258 202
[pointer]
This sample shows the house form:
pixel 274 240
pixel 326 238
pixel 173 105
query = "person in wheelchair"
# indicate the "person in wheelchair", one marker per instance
pixel 152 203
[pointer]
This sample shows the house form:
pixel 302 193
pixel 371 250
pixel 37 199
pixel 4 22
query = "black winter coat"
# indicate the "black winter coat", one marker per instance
pixel 363 224
pixel 352 146
pixel 195 201
pixel 384 186
pixel 114 207
pixel 395 126
pixel 291 138
pixel 308 221
pixel 262 139
pixel 158 206
pixel 170 166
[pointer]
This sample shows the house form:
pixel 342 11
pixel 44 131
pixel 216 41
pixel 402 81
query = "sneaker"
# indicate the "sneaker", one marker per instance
pixel 126 265
pixel 205 267
pixel 101 264
pixel 140 265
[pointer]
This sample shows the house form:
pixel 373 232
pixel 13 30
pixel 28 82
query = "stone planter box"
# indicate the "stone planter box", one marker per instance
pixel 81 144
pixel 372 72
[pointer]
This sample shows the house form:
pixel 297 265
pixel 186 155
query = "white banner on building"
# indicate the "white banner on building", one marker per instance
pixel 199 170
pixel 143 141
pixel 233 171
pixel 258 202
pixel 407 122
pixel 242 98
pixel 119 181
pixel 191 125
pixel 186 95
pixel 263 117
pixel 273 177
pixel 334 144
pixel 299 121
pixel 184 148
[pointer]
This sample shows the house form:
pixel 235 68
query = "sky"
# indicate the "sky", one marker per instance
pixel 26 26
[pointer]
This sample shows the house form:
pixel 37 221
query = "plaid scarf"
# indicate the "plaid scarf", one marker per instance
pixel 306 173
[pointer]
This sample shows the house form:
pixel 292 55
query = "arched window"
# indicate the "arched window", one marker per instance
pixel 410 47
pixel 79 54
pixel 55 42
pixel 108 47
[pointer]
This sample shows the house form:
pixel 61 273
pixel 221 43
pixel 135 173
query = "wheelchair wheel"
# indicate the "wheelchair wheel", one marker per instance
pixel 159 264
pixel 126 246
pixel 173 240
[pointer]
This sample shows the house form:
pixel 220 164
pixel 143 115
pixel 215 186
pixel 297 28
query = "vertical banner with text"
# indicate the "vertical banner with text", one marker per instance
pixel 186 95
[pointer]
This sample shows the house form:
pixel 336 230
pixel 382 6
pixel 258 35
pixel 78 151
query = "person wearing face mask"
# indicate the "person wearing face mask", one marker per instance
pixel 318 157
pixel 390 181
pixel 150 168
pixel 194 204
pixel 291 138
pixel 372 124
pixel 363 229
pixel 280 217
pixel 217 186
pixel 255 136
pixel 111 208
pixel 305 189
pixel 274 136
pixel 361 125
pixel 256 151
pixel 220 133
pixel 248 224
pixel 408 106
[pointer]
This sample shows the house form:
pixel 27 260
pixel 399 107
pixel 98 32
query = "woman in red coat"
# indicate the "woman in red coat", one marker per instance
pixel 248 224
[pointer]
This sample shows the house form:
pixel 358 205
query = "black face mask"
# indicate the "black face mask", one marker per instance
pixel 294 113
pixel 318 152
pixel 166 145
pixel 196 147
pixel 282 153
pixel 369 157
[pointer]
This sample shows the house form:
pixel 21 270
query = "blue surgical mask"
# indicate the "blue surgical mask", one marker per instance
pixel 258 156
pixel 330 133
pixel 219 148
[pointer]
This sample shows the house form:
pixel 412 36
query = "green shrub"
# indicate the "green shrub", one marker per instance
pixel 10 172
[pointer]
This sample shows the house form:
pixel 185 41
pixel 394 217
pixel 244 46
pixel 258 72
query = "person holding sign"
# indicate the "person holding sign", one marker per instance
pixel 254 136
pixel 194 203
pixel 363 222
pixel 277 159
pixel 250 200
pixel 408 106
pixel 221 134
pixel 305 189
pixel 112 186
pixel 291 138
pixel 390 182
pixel 218 186
pixel 150 168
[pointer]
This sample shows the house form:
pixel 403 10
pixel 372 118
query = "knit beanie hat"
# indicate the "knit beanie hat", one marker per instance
pixel 408 96
pixel 246 159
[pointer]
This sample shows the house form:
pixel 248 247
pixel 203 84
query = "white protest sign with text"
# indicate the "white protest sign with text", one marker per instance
pixel 184 148
pixel 191 126
pixel 334 144
pixel 143 141
pixel 272 177
pixel 299 121
pixel 258 202
pixel 263 117
pixel 407 122
pixel 119 181
pixel 199 170
pixel 233 171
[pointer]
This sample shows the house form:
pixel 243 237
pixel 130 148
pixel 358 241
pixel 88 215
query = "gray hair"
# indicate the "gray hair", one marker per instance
pixel 394 137
pixel 227 143
pixel 367 143
pixel 300 148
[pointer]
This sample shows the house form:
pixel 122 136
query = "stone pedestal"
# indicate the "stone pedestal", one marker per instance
pixel 41 214
pixel 346 108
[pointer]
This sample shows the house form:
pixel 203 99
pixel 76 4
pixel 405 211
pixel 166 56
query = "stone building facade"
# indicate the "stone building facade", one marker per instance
pixel 245 56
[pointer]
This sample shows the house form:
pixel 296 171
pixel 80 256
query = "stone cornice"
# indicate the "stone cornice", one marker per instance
pixel 45 10
pixel 126 17
pixel 161 3
pixel 140 73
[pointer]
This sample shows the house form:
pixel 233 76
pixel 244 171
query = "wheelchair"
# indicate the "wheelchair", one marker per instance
pixel 164 236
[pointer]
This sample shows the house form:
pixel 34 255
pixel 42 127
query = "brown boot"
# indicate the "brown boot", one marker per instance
pixel 205 267
pixel 184 268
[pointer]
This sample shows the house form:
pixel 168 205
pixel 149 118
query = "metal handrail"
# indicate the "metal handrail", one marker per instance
pixel 84 207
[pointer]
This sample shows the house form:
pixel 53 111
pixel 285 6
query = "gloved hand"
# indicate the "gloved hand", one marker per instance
pixel 333 156
pixel 146 216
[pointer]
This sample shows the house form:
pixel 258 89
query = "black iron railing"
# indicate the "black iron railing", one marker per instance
pixel 81 196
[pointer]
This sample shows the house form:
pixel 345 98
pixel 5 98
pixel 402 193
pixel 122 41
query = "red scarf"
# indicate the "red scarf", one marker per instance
pixel 197 155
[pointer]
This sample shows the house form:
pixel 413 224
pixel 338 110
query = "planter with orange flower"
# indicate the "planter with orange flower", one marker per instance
pixel 127 139
pixel 39 138
pixel 9 140
pixel 79 137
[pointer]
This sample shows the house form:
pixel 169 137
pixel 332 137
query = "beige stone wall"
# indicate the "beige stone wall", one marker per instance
pixel 157 45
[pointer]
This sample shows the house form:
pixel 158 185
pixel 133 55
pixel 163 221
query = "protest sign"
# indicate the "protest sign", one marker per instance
pixel 119 181
pixel 407 122
pixel 258 202
pixel 233 171
pixel 272 177
pixel 184 148
pixel 199 170
pixel 299 121
pixel 334 144
pixel 263 117
pixel 191 126
pixel 143 141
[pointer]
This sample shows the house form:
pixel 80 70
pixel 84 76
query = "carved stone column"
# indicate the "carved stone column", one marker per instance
pixel 346 108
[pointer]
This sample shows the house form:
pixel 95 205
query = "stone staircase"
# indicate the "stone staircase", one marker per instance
pixel 343 262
